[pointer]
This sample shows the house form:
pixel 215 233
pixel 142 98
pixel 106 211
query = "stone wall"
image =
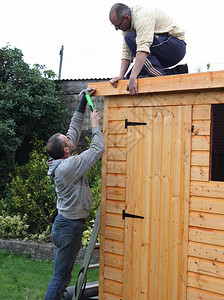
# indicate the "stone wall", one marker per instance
pixel 41 250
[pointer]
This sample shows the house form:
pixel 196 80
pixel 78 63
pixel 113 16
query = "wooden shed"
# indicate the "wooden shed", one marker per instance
pixel 162 208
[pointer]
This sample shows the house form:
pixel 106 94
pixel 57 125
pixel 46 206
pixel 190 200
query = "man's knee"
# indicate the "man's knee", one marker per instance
pixel 130 38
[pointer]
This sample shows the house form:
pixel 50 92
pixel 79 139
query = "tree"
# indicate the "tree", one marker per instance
pixel 30 103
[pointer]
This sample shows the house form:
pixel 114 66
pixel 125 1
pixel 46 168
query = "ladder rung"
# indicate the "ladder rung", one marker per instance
pixel 93 266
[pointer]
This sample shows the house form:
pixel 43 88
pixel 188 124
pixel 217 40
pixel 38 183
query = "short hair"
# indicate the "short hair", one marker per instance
pixel 55 146
pixel 120 9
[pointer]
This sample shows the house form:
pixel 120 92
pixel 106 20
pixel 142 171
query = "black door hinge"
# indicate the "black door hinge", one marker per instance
pixel 192 128
pixel 126 215
pixel 133 123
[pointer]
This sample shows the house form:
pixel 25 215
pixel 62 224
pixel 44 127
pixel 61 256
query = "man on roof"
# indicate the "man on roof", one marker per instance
pixel 153 38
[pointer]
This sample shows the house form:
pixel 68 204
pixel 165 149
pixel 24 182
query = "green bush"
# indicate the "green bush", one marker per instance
pixel 31 192
pixel 13 227
pixel 31 199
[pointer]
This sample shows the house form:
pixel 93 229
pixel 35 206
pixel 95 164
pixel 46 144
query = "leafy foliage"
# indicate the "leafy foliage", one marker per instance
pixel 31 192
pixel 30 103
pixel 31 200
pixel 13 227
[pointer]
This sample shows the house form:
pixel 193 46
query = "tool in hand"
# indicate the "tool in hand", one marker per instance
pixel 88 99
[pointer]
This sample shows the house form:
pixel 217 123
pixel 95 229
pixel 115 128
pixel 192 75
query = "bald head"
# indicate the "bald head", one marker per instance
pixel 120 10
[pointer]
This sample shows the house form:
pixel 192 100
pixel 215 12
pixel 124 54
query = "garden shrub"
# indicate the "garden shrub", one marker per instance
pixel 13 227
pixel 31 192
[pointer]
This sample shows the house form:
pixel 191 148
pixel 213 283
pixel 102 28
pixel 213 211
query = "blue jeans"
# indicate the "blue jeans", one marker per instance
pixel 67 238
pixel 165 52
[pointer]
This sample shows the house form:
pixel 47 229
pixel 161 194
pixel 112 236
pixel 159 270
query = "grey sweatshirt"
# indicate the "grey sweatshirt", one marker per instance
pixel 74 198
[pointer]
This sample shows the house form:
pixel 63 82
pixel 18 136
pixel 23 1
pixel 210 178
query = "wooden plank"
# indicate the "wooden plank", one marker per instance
pixel 207 283
pixel 165 206
pixel 167 99
pixel 115 261
pixel 215 206
pixel 206 267
pixel 139 165
pixel 145 150
pixel 185 82
pixel 208 189
pixel 184 208
pixel 113 290
pixel 117 114
pixel 175 206
pixel 103 201
pixel 117 127
pixel 114 220
pixel 201 127
pixel 117 140
pixel 206 220
pixel 117 167
pixel 156 165
pixel 201 112
pixel 115 193
pixel 116 154
pixel 207 236
pixel 115 207
pixel 201 143
pixel 114 233
pixel 205 251
pixel 197 294
pixel 114 247
pixel 113 274
pixel 199 173
pixel 199 158
pixel 116 180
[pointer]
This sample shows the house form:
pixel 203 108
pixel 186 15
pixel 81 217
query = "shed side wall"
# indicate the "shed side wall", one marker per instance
pixel 205 278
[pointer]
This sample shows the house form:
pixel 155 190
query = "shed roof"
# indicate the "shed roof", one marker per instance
pixel 183 82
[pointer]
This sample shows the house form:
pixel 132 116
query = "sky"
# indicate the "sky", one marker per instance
pixel 92 46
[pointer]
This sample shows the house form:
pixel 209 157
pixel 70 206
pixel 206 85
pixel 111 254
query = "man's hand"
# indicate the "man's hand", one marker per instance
pixel 115 80
pixel 95 118
pixel 92 90
pixel 124 67
pixel 132 86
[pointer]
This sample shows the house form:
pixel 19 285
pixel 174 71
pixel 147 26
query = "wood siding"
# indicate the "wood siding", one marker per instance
pixel 177 250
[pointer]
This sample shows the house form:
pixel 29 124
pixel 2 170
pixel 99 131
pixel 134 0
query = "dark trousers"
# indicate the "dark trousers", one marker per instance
pixel 67 237
pixel 166 51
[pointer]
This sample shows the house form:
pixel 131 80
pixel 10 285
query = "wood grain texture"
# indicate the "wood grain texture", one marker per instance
pixel 185 82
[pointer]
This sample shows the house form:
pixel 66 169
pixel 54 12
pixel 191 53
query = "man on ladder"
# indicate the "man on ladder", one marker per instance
pixel 74 198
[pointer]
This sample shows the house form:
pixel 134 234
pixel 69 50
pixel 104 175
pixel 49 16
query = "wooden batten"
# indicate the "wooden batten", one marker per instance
pixel 160 171
pixel 174 83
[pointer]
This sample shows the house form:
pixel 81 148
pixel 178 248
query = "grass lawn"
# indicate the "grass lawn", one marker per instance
pixel 22 277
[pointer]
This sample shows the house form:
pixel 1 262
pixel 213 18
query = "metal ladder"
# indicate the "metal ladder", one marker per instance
pixel 80 284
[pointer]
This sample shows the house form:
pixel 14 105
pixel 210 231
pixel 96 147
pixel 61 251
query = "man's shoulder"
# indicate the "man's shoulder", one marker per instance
pixel 139 10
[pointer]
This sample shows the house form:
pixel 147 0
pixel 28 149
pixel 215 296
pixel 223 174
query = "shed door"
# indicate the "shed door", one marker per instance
pixel 158 177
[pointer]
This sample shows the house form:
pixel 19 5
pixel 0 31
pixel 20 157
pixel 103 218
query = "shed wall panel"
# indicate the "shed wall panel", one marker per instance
pixel 197 214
